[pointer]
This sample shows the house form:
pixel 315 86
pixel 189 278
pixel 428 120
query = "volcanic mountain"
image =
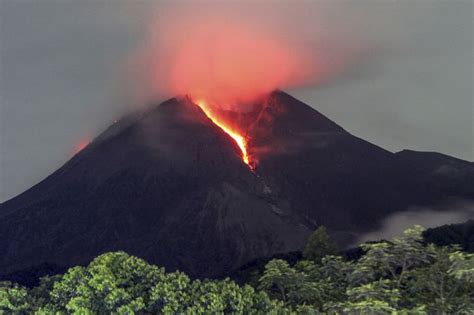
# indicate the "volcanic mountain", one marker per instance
pixel 169 185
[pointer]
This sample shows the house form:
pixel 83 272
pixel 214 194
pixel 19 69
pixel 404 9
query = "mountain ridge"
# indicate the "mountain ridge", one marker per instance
pixel 170 186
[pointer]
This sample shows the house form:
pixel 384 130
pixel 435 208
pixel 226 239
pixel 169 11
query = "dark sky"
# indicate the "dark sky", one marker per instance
pixel 60 64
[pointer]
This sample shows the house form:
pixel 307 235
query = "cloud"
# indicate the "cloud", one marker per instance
pixel 395 224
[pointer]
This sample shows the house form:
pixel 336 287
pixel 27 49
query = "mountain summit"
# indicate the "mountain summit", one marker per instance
pixel 169 185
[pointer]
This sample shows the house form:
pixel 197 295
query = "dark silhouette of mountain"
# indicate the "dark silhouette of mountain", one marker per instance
pixel 451 175
pixel 333 178
pixel 31 276
pixel 168 185
pixel 461 234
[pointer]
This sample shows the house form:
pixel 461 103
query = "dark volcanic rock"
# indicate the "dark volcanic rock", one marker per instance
pixel 333 178
pixel 170 186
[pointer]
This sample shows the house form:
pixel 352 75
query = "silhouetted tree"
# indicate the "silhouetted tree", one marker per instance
pixel 319 245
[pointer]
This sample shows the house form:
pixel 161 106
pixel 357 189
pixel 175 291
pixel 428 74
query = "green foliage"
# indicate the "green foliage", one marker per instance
pixel 462 266
pixel 116 283
pixel 14 299
pixel 392 259
pixel 443 285
pixel 319 245
pixel 403 276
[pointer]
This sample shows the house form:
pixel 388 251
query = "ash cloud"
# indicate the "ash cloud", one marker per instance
pixel 231 52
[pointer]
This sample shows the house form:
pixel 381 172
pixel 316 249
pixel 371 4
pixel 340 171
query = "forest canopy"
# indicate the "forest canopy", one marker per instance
pixel 404 275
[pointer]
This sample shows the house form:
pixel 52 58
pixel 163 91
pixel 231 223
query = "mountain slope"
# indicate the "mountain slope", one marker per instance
pixel 333 178
pixel 170 186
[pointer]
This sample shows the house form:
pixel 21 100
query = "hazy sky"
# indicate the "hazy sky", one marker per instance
pixel 60 78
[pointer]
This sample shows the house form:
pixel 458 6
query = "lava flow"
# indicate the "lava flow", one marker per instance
pixel 238 138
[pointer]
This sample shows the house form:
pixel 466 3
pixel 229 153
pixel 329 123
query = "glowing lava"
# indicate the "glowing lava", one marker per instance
pixel 238 138
pixel 81 145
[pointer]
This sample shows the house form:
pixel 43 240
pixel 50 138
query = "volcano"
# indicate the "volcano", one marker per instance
pixel 169 185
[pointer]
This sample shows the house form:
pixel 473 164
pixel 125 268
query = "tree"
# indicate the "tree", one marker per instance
pixel 370 298
pixel 117 283
pixel 296 286
pixel 442 285
pixel 278 279
pixel 14 299
pixel 392 259
pixel 403 276
pixel 319 245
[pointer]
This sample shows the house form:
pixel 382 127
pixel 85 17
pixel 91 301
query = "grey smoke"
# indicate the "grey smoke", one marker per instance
pixel 395 224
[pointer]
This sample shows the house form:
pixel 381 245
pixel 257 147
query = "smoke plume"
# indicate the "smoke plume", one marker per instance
pixel 229 53
pixel 395 224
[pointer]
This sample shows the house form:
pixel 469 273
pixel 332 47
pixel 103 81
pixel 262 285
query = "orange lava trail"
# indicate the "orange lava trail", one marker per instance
pixel 238 138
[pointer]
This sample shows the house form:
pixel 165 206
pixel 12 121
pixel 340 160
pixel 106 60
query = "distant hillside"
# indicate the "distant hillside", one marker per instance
pixel 461 233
